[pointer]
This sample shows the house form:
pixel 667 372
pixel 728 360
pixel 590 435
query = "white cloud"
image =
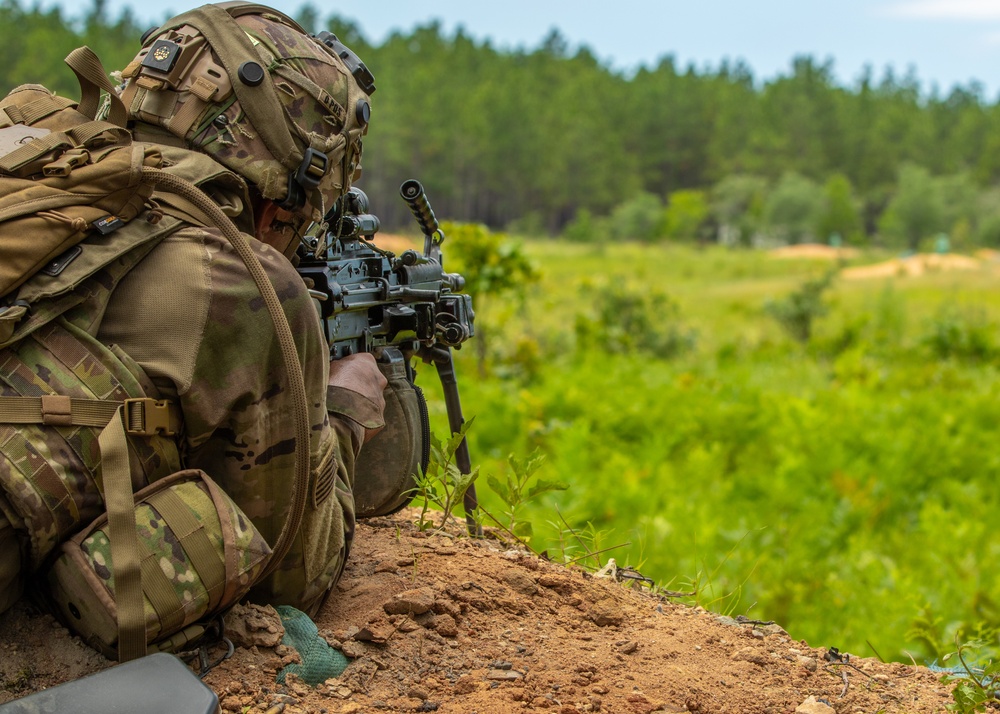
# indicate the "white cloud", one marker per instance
pixel 945 9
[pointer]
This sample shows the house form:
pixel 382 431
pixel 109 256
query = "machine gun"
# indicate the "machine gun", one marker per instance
pixel 394 307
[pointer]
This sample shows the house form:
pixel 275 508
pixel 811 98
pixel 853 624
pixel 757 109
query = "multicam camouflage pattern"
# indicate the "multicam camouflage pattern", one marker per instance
pixel 183 313
pixel 317 120
pixel 163 544
pixel 195 323
pixel 318 101
pixel 48 473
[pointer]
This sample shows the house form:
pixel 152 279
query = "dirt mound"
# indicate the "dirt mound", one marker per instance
pixel 813 251
pixel 450 624
pixel 912 266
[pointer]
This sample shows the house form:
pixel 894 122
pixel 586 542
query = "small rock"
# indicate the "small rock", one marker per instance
pixel 560 584
pixel 773 630
pixel 346 634
pixel 814 706
pixel 629 647
pixel 411 602
pixel 807 662
pixel 606 612
pixel 353 650
pixel 417 693
pixel 253 625
pixel 520 581
pixel 640 704
pixel 503 675
pixel 748 654
pixel 385 567
pixel 378 630
pixel 408 625
pixel 445 625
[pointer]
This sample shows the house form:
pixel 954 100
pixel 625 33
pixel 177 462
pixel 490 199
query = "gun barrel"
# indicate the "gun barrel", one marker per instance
pixel 413 193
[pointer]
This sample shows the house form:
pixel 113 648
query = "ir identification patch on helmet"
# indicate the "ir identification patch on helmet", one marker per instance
pixel 162 55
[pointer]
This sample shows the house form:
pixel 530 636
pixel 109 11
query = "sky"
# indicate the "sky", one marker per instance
pixel 946 42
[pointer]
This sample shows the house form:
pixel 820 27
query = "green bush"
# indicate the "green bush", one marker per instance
pixel 627 319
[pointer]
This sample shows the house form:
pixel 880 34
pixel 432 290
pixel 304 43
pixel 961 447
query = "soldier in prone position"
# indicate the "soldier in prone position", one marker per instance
pixel 267 121
pixel 189 315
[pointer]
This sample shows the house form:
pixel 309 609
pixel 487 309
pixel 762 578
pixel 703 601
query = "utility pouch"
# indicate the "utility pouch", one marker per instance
pixel 198 553
pixel 384 473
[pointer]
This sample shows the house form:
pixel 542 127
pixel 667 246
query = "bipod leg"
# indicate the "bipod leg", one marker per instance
pixel 445 364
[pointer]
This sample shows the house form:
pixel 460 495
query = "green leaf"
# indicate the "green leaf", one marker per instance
pixel 500 489
pixel 541 487
pixel 522 529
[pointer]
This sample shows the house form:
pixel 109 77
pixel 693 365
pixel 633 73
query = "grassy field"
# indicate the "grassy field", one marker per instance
pixel 844 485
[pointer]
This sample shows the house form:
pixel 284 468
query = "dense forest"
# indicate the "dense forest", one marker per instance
pixel 552 140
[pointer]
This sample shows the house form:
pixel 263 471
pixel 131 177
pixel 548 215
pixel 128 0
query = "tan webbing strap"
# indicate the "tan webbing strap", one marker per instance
pixel 80 412
pixel 40 108
pixel 261 104
pixel 194 540
pixel 126 556
pixel 89 70
pixel 145 416
pixel 160 591
pixel 86 133
pixel 299 495
pixel 228 534
pixel 186 117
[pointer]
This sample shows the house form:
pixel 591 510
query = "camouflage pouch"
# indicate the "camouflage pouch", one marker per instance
pixel 384 471
pixel 199 555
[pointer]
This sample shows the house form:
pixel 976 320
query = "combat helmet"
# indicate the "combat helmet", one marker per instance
pixel 250 87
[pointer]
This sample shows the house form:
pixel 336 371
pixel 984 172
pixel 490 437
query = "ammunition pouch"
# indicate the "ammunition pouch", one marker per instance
pixel 384 473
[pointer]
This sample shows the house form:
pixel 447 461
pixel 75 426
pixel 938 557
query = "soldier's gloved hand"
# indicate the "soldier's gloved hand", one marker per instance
pixel 355 391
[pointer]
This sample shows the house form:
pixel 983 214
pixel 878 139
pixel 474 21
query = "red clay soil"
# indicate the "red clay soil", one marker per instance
pixel 450 624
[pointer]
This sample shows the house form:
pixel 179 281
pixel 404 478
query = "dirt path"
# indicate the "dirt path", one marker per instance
pixel 482 628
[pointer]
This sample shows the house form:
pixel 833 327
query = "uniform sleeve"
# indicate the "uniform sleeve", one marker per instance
pixel 192 317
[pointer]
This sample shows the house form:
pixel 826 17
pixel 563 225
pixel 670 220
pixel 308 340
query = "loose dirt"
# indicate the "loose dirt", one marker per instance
pixel 447 623
pixel 813 251
pixel 913 266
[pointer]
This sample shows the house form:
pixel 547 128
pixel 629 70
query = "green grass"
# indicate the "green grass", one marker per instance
pixel 845 487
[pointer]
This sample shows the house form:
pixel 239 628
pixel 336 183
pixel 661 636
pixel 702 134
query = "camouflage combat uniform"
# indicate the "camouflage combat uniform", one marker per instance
pixel 193 320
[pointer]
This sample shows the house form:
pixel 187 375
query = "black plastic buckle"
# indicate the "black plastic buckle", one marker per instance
pixel 311 171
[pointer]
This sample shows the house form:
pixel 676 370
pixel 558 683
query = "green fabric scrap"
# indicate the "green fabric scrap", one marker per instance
pixel 320 661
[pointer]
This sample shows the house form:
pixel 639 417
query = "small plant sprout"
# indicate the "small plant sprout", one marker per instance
pixel 443 485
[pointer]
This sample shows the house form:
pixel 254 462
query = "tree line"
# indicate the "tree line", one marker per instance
pixel 552 140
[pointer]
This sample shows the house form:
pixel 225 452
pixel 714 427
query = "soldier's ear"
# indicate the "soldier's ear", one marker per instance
pixel 276 226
